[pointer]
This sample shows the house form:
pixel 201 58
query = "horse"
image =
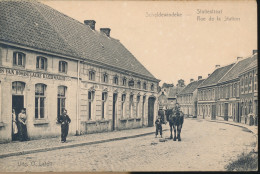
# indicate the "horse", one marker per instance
pixel 175 118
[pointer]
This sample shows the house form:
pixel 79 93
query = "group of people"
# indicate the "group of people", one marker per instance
pixel 19 125
pixel 20 129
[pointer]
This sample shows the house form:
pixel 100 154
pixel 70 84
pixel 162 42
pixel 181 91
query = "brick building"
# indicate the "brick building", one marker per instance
pixel 49 61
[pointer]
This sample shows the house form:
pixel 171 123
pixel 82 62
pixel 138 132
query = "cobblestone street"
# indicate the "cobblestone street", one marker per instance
pixel 205 146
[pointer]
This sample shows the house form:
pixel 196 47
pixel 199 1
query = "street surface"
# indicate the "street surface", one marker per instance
pixel 205 146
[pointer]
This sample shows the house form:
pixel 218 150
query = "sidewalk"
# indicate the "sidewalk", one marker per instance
pixel 42 145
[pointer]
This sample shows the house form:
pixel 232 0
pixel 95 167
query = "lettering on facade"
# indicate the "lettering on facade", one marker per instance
pixel 31 74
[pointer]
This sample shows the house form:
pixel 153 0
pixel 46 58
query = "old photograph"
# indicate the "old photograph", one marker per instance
pixel 126 86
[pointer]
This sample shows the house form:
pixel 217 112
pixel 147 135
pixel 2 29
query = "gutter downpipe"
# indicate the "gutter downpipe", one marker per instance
pixel 77 106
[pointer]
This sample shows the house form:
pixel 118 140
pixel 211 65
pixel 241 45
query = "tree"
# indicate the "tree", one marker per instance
pixel 181 83
pixel 167 85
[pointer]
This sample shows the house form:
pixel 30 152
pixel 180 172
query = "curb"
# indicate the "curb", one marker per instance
pixel 72 145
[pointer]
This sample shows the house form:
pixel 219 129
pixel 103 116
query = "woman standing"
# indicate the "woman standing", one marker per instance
pixel 22 125
pixel 15 129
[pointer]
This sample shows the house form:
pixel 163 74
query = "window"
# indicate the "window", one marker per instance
pixel 63 67
pixel 19 59
pixel 152 87
pixel 242 85
pixel 91 75
pixel 246 85
pixel 41 63
pixel 123 103
pixel 250 83
pixel 61 99
pixel 90 100
pixel 137 105
pixel 138 84
pixel 124 81
pixel 115 80
pixel 104 98
pixel 131 103
pixel 255 82
pixel 40 99
pixel 105 78
pixel 144 86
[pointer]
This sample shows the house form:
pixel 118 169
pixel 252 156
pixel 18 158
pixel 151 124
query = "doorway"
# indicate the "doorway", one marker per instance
pixel 213 112
pixel 114 112
pixel 151 101
pixel 17 105
pixel 226 112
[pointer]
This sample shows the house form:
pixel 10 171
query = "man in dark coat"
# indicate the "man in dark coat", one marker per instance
pixel 64 119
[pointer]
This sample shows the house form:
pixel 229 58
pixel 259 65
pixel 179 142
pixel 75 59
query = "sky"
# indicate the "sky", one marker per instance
pixel 182 45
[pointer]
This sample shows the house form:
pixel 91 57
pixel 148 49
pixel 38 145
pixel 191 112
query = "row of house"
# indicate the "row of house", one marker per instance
pixel 49 62
pixel 229 93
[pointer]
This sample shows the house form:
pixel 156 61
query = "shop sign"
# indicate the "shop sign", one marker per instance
pixel 25 73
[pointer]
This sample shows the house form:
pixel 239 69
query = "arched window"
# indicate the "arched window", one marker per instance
pixel 105 78
pixel 91 95
pixel 124 81
pixel 152 87
pixel 123 104
pixel 41 63
pixel 61 99
pixel 138 84
pixel 40 101
pixel 144 85
pixel 104 99
pixel 91 75
pixel 63 67
pixel 131 103
pixel 115 80
pixel 19 59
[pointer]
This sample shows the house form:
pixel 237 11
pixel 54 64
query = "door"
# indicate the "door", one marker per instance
pixel 151 101
pixel 226 112
pixel 213 112
pixel 17 105
pixel 143 111
pixel 114 111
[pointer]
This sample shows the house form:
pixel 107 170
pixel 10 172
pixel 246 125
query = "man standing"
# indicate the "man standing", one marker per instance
pixel 64 119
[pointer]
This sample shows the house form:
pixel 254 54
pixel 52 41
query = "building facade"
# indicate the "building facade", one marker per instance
pixel 228 100
pixel 188 99
pixel 62 63
pixel 249 92
pixel 207 93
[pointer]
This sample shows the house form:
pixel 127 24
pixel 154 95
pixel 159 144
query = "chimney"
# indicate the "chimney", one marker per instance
pixel 239 58
pixel 90 23
pixel 191 80
pixel 254 52
pixel 217 66
pixel 208 74
pixel 199 77
pixel 106 31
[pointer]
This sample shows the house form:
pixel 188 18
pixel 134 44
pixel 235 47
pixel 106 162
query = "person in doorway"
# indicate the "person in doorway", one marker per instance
pixel 14 124
pixel 64 119
pixel 158 124
pixel 22 118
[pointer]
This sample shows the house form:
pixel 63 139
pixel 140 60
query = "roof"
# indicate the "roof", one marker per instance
pixel 35 25
pixel 236 69
pixel 216 76
pixel 250 66
pixel 173 91
pixel 191 87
